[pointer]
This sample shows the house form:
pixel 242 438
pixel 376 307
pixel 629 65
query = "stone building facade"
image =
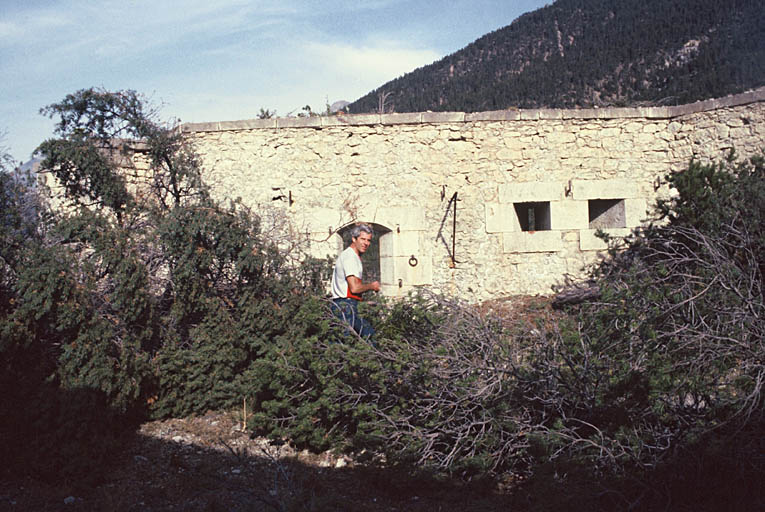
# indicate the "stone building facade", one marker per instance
pixel 478 205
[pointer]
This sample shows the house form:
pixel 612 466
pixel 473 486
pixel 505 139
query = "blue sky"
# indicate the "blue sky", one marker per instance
pixel 219 60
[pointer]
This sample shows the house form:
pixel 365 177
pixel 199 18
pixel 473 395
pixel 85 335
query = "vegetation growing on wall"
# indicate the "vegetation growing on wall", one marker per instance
pixel 149 298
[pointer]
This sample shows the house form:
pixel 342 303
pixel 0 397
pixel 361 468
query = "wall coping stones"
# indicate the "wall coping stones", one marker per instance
pixel 298 122
pixel 494 115
pixel 754 96
pixel 353 120
pixel 443 117
pixel 248 124
pixel 405 118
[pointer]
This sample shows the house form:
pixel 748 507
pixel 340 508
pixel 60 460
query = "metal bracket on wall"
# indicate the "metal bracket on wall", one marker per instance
pixel 454 231
pixel 452 250
pixel 281 196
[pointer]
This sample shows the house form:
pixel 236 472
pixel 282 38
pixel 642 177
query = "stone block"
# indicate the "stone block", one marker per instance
pixel 636 211
pixel 532 241
pixel 333 121
pixel 506 154
pixel 409 118
pixel 360 119
pixel 560 137
pixel 603 189
pixel 394 290
pixel 407 218
pixel 398 268
pixel 199 127
pixel 249 124
pixel 586 113
pixel 320 220
pixel 655 112
pixel 530 114
pixel 494 115
pixel 616 113
pixel 532 191
pixel 550 113
pixel 568 214
pixel 405 243
pixel 298 122
pixel 443 117
pixel 589 242
pixel 501 218
pixel 414 275
pixel 571 236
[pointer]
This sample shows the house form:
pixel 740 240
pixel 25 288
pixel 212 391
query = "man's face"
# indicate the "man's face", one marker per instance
pixel 361 242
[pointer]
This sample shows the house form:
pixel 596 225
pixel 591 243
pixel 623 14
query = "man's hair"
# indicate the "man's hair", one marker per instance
pixel 358 228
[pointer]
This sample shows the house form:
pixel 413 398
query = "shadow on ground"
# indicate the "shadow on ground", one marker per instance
pixel 208 464
pixel 79 456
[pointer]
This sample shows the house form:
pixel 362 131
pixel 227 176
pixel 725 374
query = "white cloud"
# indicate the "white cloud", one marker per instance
pixel 369 65
pixel 10 31
pixel 31 26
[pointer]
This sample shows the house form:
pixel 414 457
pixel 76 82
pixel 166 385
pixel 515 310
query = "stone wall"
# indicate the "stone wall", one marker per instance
pixel 529 187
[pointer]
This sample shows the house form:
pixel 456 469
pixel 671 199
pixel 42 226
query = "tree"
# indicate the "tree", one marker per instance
pixel 139 286
pixel 100 133
pixel 266 113
pixel 177 276
pixel 382 102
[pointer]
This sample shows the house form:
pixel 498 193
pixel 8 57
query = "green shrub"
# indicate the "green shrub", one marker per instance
pixel 670 356
pixel 435 390
pixel 300 383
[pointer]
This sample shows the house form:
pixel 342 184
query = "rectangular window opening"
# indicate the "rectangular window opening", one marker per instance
pixel 607 213
pixel 533 216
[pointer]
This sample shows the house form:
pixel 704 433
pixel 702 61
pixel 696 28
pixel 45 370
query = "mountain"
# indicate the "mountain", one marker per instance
pixel 584 53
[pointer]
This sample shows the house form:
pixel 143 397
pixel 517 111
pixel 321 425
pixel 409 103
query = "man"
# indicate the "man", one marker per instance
pixel 347 283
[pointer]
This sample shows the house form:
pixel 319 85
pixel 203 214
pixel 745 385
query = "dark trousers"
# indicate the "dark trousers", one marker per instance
pixel 348 311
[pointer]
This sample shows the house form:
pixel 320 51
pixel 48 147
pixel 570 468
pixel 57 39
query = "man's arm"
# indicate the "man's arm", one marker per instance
pixel 357 287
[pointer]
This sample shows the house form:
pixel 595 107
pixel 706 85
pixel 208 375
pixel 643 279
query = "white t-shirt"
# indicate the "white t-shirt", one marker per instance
pixel 347 264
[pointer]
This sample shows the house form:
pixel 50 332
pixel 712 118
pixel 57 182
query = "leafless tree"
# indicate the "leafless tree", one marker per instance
pixel 382 103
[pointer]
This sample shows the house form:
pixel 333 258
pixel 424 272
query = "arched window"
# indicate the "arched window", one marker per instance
pixel 371 258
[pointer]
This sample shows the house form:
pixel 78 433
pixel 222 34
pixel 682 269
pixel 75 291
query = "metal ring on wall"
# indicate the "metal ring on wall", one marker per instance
pixel 412 261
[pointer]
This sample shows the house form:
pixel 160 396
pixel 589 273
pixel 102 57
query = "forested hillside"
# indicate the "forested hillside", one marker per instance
pixel 594 53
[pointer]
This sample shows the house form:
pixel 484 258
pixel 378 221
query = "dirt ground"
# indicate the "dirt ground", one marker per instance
pixel 209 463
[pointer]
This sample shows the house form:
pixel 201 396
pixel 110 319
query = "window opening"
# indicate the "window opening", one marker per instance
pixel 533 216
pixel 371 258
pixel 607 213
